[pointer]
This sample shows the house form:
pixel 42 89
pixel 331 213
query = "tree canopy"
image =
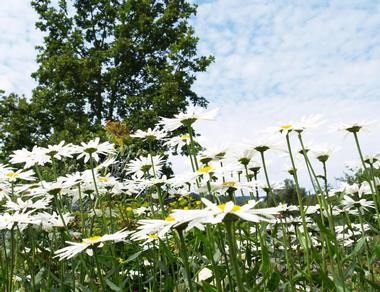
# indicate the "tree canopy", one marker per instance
pixel 130 60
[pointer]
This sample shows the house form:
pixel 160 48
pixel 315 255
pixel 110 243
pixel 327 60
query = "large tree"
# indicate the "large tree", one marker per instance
pixel 16 123
pixel 132 60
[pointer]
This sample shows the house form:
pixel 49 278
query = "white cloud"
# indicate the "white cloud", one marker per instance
pixel 18 37
pixel 313 49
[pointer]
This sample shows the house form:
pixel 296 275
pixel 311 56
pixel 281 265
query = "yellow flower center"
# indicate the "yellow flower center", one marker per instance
pixel 287 126
pixel 234 208
pixel 154 236
pixel 185 137
pixel 205 169
pixel 91 239
pixel 129 209
pixel 90 150
pixel 12 174
pixel 150 136
pixel 229 183
pixel 103 179
pixel 169 219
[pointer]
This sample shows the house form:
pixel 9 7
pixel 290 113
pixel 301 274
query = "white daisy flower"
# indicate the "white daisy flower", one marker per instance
pixel 155 134
pixel 146 183
pixel 192 115
pixel 13 176
pixel 255 165
pixel 72 179
pixel 142 165
pixel 217 213
pixel 74 248
pixel 37 156
pixel 153 229
pixel 372 158
pixel 355 127
pixel 323 152
pixel 213 153
pixel 355 189
pixel 306 122
pixel 140 211
pixel 93 149
pixel 178 141
pixel 228 185
pixel 204 274
pixel 7 221
pixel 273 185
pixel 106 181
pixel 243 156
pixel 106 163
pixel 61 150
pixel 22 206
pixel 54 220
pixel 351 206
pixel 266 143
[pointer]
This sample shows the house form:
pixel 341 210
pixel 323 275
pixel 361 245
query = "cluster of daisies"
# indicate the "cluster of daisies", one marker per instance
pixel 229 184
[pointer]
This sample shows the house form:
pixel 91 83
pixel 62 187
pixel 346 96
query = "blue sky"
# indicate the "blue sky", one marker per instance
pixel 275 61
pixel 302 49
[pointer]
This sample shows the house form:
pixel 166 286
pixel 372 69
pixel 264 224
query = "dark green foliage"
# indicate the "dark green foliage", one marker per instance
pixel 101 60
pixel 359 176
pixel 109 59
pixel 16 125
pixel 289 194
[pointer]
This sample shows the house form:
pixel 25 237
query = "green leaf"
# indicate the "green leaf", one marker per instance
pixel 207 287
pixel 302 239
pixel 348 272
pixel 40 275
pixel 374 285
pixel 265 262
pixel 358 247
pixel 217 255
pixel 133 257
pixel 320 279
pixel 113 286
pixel 377 251
pixel 274 281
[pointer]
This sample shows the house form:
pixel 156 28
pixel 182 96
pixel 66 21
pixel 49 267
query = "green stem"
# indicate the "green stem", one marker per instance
pixel 185 259
pixel 13 261
pixel 81 209
pixel 375 195
pixel 32 263
pixel 190 130
pixel 329 216
pixel 99 270
pixel 233 253
pixel 302 211
pixel 270 191
pixel 60 213
pixel 366 172
pixel 211 251
pixel 96 191
pixel 366 243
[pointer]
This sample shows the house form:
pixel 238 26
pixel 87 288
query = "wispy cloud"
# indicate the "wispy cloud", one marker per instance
pixel 18 37
pixel 308 49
